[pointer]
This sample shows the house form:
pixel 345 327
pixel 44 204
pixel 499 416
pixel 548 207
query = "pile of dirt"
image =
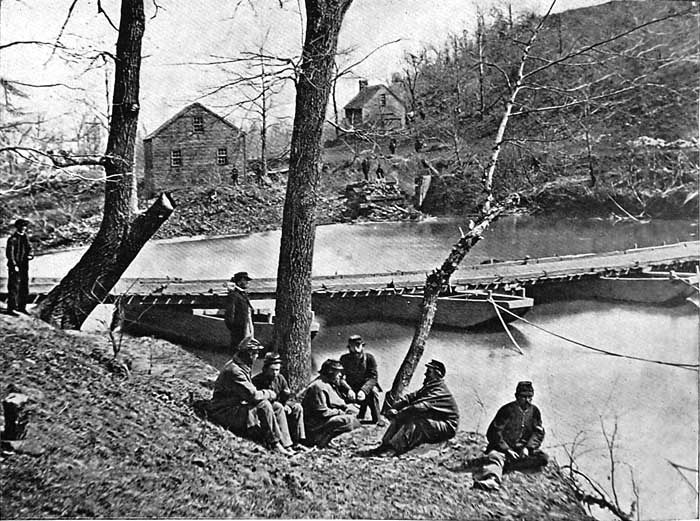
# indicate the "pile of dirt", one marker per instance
pixel 380 200
pixel 104 441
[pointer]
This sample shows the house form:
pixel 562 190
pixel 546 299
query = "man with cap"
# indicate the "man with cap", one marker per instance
pixel 245 410
pixel 326 415
pixel 515 436
pixel 271 379
pixel 428 415
pixel 361 383
pixel 19 253
pixel 239 311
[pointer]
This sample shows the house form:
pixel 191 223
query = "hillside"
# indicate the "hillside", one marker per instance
pixel 105 444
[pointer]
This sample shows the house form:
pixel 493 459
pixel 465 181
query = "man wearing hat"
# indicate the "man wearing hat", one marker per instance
pixel 19 253
pixel 514 437
pixel 361 383
pixel 428 415
pixel 326 415
pixel 245 410
pixel 271 379
pixel 239 311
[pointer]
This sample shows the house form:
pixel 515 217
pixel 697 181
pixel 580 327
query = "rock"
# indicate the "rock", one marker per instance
pixel 16 416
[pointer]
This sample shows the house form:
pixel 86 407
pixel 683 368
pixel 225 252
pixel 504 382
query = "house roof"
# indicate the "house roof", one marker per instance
pixel 185 111
pixel 362 97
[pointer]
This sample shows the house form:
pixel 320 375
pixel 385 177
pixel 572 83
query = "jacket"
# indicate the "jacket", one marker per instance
pixel 513 428
pixel 18 250
pixel 360 371
pixel 433 401
pixel 278 384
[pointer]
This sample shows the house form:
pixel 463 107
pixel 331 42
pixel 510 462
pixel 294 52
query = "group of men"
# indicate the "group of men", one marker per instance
pixel 262 407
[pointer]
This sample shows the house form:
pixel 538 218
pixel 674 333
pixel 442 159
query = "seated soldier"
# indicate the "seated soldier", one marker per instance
pixel 428 415
pixel 272 379
pixel 246 411
pixel 326 415
pixel 514 437
pixel 361 379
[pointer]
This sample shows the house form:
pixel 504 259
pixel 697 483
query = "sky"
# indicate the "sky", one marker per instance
pixel 183 38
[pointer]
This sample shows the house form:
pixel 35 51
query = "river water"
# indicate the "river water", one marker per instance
pixel 583 395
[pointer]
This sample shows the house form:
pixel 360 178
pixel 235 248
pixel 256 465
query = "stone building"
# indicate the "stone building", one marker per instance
pixel 194 147
pixel 375 106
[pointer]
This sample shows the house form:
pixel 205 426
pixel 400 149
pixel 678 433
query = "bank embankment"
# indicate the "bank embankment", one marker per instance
pixel 107 441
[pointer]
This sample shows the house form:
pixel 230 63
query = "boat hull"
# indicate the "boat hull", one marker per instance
pixel 203 329
pixel 461 311
pixel 644 287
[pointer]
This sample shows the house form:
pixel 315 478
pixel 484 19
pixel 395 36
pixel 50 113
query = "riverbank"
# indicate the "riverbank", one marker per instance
pixel 68 213
pixel 104 444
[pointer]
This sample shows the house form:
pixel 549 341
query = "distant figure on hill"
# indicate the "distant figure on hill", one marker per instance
pixel 515 436
pixel 380 172
pixel 365 168
pixel 361 379
pixel 271 379
pixel 418 145
pixel 19 253
pixel 326 415
pixel 428 415
pixel 392 146
pixel 237 405
pixel 239 311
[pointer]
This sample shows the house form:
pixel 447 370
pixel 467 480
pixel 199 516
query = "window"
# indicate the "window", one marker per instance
pixel 382 100
pixel 176 157
pixel 221 156
pixel 198 123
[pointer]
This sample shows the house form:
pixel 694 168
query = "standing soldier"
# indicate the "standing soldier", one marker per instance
pixel 361 378
pixel 392 146
pixel 365 168
pixel 19 253
pixel 239 311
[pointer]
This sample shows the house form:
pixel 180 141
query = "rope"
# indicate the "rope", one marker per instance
pixel 691 367
pixel 503 323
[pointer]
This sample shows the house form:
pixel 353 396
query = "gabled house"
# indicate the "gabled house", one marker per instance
pixel 375 106
pixel 194 147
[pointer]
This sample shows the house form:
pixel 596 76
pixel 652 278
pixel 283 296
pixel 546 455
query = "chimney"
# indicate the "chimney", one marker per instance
pixel 363 85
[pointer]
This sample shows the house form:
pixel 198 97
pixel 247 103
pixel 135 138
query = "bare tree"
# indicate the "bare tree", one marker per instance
pixel 293 305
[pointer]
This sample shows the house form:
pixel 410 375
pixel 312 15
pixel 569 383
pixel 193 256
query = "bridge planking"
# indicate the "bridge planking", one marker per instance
pixel 496 276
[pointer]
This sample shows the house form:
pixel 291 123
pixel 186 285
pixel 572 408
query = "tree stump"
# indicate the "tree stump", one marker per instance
pixel 16 414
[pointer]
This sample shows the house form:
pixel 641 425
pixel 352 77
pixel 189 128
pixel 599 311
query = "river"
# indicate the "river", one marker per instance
pixel 653 408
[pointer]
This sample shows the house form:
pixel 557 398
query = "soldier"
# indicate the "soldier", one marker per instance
pixel 514 437
pixel 271 378
pixel 361 378
pixel 245 410
pixel 428 415
pixel 326 415
pixel 365 168
pixel 239 311
pixel 19 253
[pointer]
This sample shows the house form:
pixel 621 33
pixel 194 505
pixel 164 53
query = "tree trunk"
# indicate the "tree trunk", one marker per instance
pixel 434 283
pixel 121 235
pixel 293 306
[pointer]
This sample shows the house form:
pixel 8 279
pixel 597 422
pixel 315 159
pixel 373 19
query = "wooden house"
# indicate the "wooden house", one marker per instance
pixel 194 147
pixel 375 106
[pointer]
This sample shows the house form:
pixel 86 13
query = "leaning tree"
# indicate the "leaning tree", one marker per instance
pixel 124 230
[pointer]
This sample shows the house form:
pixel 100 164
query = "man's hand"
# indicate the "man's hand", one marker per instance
pixel 512 454
pixel 524 452
pixel 361 396
pixel 351 395
pixel 391 413
pixel 273 395
pixel 15 268
pixel 287 409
